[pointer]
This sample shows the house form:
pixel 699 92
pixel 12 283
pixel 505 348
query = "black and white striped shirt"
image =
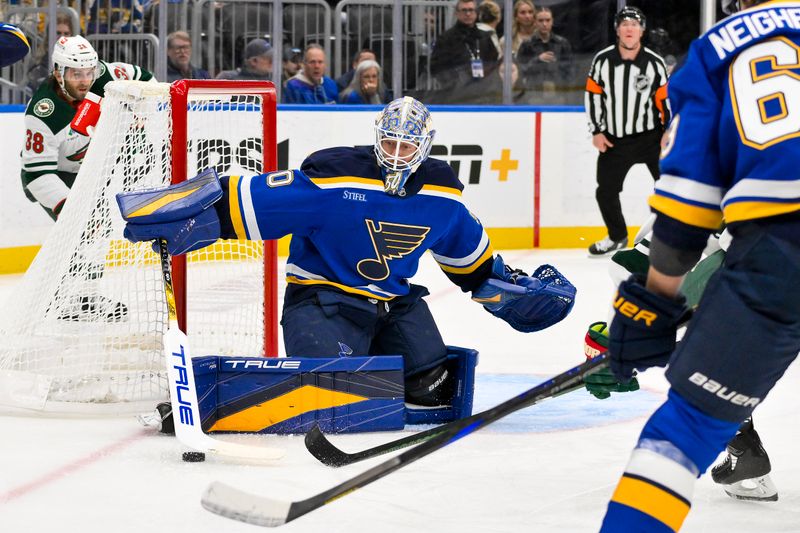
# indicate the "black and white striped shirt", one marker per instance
pixel 626 97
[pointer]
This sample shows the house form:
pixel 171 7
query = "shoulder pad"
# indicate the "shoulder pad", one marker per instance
pixel 437 172
pixel 341 161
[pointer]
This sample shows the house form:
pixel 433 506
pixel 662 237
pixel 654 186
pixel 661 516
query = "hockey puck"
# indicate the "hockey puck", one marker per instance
pixel 194 457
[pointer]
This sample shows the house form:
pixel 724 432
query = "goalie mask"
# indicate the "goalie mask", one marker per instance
pixel 403 138
pixel 73 52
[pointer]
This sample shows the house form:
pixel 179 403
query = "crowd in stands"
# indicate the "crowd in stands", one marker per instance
pixel 447 60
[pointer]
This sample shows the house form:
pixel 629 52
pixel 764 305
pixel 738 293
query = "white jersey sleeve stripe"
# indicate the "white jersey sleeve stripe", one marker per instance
pixel 464 261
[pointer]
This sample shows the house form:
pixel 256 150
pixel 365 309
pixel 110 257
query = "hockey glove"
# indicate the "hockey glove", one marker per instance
pixel 88 114
pixel 183 214
pixel 644 328
pixel 602 383
pixel 527 303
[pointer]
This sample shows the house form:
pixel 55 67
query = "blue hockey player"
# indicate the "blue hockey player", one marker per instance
pixel 733 151
pixel 360 220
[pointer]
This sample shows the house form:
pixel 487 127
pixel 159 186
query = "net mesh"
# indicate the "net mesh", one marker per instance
pixel 83 329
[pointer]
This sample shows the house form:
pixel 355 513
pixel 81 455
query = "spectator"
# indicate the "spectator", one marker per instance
pixel 546 60
pixel 367 86
pixel 661 43
pixel 523 26
pixel 463 55
pixel 292 59
pixel 489 17
pixel 257 64
pixel 179 55
pixel 343 81
pixel 626 102
pixel 311 85
pixel 116 16
pixel 40 70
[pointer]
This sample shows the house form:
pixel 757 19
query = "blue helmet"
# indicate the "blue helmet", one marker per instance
pixel 405 121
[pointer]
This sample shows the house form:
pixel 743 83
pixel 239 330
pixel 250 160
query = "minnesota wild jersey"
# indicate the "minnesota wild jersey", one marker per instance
pixel 52 152
pixel 349 234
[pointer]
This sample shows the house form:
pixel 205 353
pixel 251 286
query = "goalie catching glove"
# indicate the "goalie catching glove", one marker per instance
pixel 527 303
pixel 183 214
pixel 602 383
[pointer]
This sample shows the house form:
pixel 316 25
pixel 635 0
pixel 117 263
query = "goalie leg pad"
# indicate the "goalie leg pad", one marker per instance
pixel 461 363
pixel 290 395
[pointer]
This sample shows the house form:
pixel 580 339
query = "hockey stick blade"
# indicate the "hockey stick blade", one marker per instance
pixel 318 444
pixel 183 394
pixel 268 512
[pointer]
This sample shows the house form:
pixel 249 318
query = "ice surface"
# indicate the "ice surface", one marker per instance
pixel 548 468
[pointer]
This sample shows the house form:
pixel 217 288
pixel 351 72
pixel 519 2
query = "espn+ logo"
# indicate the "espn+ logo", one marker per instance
pixel 227 156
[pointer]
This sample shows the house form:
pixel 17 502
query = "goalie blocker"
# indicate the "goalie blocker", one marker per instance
pixel 341 395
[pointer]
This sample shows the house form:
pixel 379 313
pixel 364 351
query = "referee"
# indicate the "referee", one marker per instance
pixel 626 100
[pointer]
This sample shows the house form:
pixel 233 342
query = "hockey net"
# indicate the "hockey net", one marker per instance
pixel 82 331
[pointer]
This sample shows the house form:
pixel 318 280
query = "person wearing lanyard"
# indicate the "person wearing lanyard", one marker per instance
pixel 463 54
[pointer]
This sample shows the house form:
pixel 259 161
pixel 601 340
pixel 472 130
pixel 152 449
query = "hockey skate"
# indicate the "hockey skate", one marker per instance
pixel 90 308
pixel 744 473
pixel 607 246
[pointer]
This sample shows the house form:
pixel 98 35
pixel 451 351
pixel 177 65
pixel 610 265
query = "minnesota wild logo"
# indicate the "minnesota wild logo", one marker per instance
pixel 44 108
pixel 390 241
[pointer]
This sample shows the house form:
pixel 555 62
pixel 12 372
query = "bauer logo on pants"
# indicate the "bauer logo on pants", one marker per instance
pixel 722 392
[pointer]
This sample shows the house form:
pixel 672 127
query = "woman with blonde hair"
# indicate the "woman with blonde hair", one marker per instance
pixel 523 25
pixel 367 85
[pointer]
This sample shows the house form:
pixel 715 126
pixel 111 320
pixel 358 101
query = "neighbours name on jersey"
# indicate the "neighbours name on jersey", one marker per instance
pixel 729 37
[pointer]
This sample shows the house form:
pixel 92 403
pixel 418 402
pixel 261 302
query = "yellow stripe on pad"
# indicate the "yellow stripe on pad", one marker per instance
pixel 161 202
pixel 651 500
pixel 294 403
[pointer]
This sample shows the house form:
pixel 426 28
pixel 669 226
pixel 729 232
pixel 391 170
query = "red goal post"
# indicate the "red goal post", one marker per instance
pixel 181 93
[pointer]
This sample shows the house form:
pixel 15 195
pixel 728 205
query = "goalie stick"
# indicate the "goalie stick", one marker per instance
pixel 236 504
pixel 182 391
pixel 328 454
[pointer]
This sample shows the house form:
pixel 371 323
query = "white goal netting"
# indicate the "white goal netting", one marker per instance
pixel 82 332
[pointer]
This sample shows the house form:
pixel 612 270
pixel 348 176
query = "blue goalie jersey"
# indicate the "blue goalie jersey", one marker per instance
pixel 349 234
pixel 734 141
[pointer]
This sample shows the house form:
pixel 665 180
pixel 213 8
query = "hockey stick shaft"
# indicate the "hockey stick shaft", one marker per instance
pixel 232 503
pixel 183 392
pixel 328 454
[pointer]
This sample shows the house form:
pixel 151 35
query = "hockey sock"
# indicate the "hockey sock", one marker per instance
pixel 677 444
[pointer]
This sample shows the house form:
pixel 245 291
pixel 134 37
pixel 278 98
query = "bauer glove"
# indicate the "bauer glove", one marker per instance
pixel 644 328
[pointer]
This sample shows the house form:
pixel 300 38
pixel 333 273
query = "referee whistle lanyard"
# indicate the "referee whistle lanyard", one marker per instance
pixel 475 60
